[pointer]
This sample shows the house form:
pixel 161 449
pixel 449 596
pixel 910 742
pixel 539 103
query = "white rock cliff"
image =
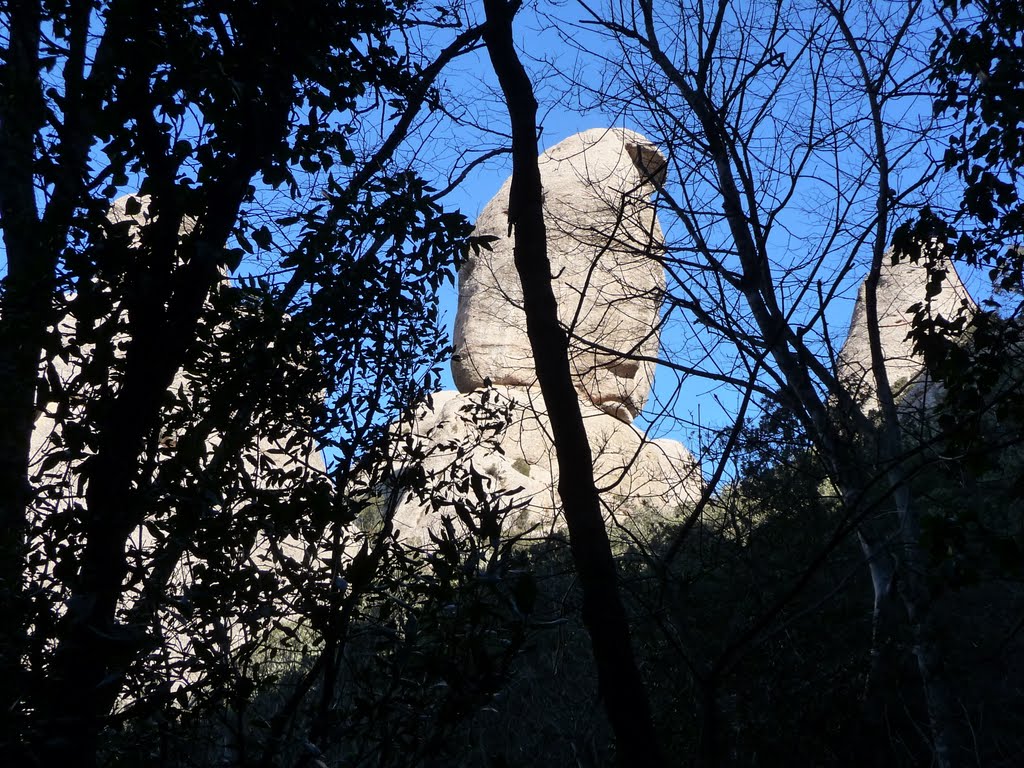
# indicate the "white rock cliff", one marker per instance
pixel 604 242
pixel 901 286
pixel 490 443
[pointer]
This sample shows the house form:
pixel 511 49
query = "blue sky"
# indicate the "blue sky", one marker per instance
pixel 801 226
pixel 559 51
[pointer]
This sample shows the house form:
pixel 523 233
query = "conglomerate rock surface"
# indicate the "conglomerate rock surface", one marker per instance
pixel 492 450
pixel 901 286
pixel 487 450
pixel 603 242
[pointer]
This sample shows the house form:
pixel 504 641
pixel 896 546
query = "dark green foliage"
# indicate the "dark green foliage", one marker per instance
pixel 978 74
pixel 428 646
pixel 978 66
pixel 170 520
pixel 759 642
pixel 975 530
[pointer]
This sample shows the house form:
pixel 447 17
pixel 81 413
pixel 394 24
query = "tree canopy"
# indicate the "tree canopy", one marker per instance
pixel 228 236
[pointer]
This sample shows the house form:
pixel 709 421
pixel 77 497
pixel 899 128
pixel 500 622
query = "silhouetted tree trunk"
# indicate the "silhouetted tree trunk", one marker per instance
pixel 60 682
pixel 619 681
pixel 879 474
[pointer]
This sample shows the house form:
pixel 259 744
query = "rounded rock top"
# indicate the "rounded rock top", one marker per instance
pixel 604 246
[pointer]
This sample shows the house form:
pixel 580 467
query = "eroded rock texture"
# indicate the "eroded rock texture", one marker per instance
pixel 486 452
pixel 491 451
pixel 901 286
pixel 604 241
pixel 266 457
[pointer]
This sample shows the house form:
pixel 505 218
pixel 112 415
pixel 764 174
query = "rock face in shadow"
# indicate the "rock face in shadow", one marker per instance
pixel 901 286
pixel 275 459
pixel 263 456
pixel 604 241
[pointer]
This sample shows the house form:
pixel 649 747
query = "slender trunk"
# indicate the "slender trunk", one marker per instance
pixel 882 676
pixel 24 311
pixel 882 570
pixel 708 748
pixel 917 597
pixel 619 680
pixel 911 576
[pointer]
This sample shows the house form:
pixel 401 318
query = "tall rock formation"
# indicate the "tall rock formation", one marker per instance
pixel 901 285
pixel 604 244
pixel 189 510
pixel 487 449
pixel 268 453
